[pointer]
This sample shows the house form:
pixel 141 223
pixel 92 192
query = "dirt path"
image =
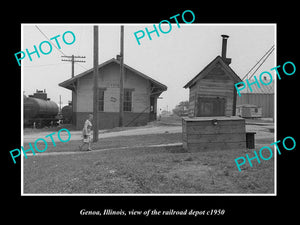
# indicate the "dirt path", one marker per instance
pixel 76 135
pixel 179 144
pixel 262 131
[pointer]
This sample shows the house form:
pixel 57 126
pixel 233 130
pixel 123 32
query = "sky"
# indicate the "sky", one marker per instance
pixel 172 59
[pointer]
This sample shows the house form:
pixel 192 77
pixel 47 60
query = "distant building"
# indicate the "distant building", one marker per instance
pixel 166 113
pixel 249 111
pixel 262 97
pixel 181 109
pixel 140 96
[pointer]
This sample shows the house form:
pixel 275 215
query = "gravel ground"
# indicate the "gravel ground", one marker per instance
pixel 262 131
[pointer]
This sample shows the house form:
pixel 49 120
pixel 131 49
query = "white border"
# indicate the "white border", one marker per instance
pixel 22 113
pixel 167 194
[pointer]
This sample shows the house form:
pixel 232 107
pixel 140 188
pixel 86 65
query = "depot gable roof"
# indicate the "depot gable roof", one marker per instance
pixel 70 82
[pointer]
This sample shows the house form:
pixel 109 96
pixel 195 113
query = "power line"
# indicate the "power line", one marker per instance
pixel 49 40
pixel 50 64
pixel 81 65
pixel 262 62
pixel 73 61
pixel 271 49
pixel 55 46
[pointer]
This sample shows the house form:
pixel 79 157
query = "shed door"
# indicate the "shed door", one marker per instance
pixel 210 107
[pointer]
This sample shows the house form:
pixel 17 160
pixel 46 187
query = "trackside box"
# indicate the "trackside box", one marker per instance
pixel 213 133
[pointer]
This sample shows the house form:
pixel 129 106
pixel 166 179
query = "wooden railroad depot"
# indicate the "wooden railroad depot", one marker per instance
pixel 140 96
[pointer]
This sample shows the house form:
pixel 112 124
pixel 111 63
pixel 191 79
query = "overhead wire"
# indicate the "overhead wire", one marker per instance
pixel 267 53
pixel 55 46
pixel 49 40
pixel 50 64
pixel 262 63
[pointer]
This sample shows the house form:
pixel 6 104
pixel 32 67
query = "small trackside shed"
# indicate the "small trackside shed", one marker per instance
pixel 212 91
pixel 211 123
pixel 140 96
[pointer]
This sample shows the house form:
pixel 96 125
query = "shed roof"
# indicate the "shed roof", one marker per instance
pixel 68 83
pixel 248 106
pixel 211 65
pixel 264 89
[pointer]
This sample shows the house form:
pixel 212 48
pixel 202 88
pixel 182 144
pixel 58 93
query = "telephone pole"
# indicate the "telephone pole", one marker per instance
pixel 73 61
pixel 74 93
pixel 95 96
pixel 60 102
pixel 121 113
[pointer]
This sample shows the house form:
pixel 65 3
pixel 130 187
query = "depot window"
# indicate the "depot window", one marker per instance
pixel 101 99
pixel 127 106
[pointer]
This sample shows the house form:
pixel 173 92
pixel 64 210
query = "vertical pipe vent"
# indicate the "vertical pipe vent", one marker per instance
pixel 224 45
pixel 224 49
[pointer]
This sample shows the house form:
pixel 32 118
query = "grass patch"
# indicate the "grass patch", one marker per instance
pixel 147 170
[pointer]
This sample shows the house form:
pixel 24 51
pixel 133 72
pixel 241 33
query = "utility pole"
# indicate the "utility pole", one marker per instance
pixel 73 61
pixel 95 96
pixel 121 113
pixel 60 102
pixel 74 93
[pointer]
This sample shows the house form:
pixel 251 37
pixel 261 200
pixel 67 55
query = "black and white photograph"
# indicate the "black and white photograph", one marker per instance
pixel 150 113
pixel 149 109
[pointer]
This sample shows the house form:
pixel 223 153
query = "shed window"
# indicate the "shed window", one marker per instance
pixel 213 106
pixel 127 100
pixel 101 99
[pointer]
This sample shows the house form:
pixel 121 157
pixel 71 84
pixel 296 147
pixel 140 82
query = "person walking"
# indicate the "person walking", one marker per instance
pixel 87 133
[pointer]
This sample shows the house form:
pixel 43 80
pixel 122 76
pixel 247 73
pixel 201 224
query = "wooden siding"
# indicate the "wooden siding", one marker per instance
pixel 216 80
pixel 265 101
pixel 109 79
pixel 108 120
pixel 249 112
pixel 201 134
pixel 192 100
pixel 222 88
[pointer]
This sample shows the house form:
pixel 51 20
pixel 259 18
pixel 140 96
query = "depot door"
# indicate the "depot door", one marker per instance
pixel 210 106
pixel 152 114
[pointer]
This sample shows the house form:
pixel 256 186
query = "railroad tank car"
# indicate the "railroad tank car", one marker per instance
pixel 39 112
pixel 67 112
